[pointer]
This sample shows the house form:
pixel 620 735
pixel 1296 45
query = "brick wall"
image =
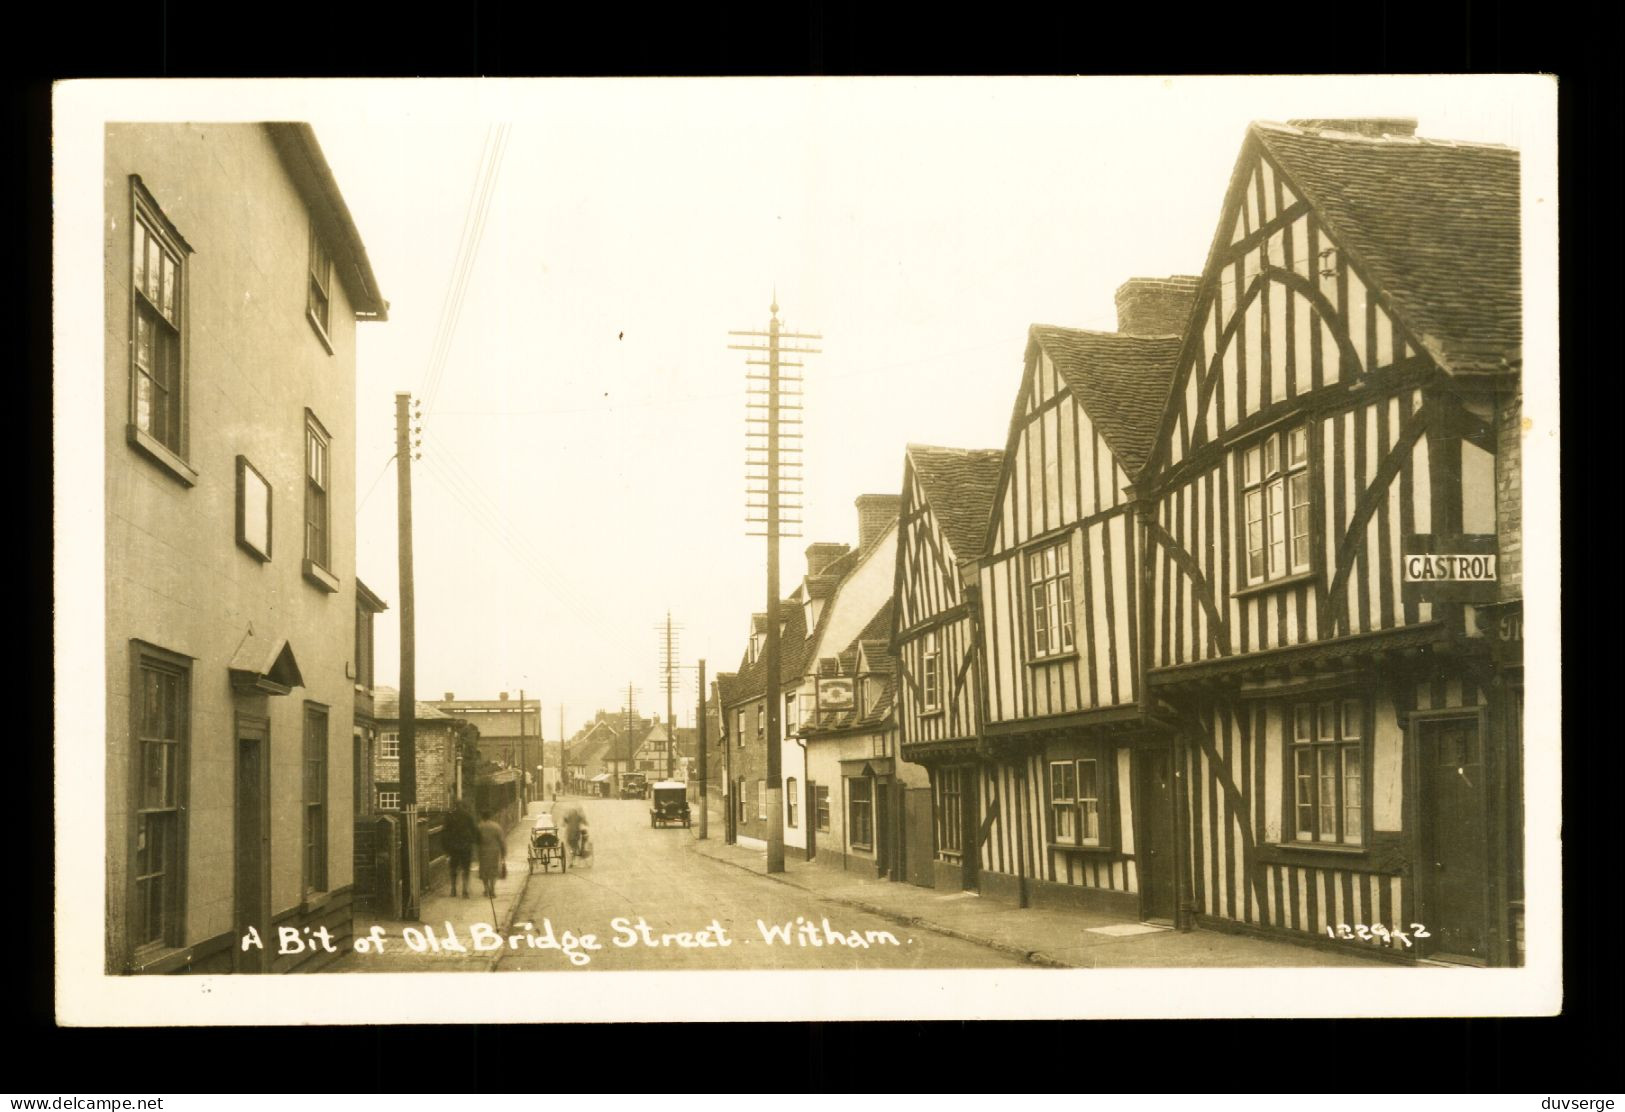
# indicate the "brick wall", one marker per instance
pixel 1509 496
pixel 1155 306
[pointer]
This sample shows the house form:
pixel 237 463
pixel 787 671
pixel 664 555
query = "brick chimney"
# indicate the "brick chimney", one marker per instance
pixel 820 555
pixel 876 512
pixel 503 696
pixel 1155 306
pixel 451 696
pixel 1374 127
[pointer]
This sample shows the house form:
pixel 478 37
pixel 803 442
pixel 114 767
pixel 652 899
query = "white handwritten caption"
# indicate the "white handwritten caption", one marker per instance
pixel 1377 934
pixel 577 948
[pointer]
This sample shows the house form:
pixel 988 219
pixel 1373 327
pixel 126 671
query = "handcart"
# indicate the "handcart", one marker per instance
pixel 546 846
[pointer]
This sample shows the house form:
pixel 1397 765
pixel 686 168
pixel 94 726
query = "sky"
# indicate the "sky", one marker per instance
pixel 583 441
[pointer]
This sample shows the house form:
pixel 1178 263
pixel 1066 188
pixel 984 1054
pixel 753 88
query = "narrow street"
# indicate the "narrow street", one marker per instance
pixel 653 903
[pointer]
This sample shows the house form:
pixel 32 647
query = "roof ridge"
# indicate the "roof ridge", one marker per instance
pixel 1334 135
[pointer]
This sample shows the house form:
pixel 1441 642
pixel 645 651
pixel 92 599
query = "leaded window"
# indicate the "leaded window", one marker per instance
pixel 1275 488
pixel 1328 762
pixel 1049 593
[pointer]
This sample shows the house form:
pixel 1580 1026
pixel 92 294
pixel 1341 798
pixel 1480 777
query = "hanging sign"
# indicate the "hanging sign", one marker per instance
pixel 1446 568
pixel 835 693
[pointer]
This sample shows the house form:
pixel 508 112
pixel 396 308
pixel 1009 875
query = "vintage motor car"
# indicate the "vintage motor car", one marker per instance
pixel 670 805
pixel 634 785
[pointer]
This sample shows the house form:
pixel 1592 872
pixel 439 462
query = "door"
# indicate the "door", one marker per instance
pixel 970 841
pixel 251 843
pixel 1454 868
pixel 881 793
pixel 810 810
pixel 1154 798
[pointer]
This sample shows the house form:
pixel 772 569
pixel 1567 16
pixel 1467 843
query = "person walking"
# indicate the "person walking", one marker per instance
pixel 493 849
pixel 461 835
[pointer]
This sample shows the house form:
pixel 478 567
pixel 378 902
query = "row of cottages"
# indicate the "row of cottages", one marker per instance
pixel 1241 644
pixel 235 280
pixel 838 598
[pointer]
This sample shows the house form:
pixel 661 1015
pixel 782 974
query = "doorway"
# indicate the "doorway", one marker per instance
pixel 252 842
pixel 1453 868
pixel 1154 801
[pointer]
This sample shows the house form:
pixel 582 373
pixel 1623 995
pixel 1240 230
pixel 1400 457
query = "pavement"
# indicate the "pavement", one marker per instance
pixel 1055 938
pixel 664 900
pixel 407 945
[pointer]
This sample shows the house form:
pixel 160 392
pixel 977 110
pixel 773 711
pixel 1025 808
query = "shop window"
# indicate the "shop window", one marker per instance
pixel 860 826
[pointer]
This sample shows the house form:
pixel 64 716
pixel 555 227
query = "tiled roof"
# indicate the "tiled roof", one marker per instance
pixel 386 704
pixel 793 642
pixel 960 485
pixel 1435 225
pixel 1121 381
pixel 873 645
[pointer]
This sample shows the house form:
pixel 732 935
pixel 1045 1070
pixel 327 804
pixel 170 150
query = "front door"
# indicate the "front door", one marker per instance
pixel 252 853
pixel 881 792
pixel 970 841
pixel 1454 867
pixel 810 809
pixel 1154 799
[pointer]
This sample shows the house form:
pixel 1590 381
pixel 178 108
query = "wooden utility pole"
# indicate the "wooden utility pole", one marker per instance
pixel 669 679
pixel 405 451
pixel 524 768
pixel 768 465
pixel 702 743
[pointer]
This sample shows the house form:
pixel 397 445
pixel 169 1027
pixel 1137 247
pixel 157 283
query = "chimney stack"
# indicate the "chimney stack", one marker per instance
pixel 820 555
pixel 1156 306
pixel 503 696
pixel 876 512
pixel 1374 127
pixel 450 696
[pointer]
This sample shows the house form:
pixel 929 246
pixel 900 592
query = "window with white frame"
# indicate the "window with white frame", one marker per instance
pixel 790 809
pixel 860 825
pixel 931 673
pixel 1049 594
pixel 739 800
pixel 1075 802
pixel 318 300
pixel 1275 489
pixel 389 746
pixel 761 721
pixel 1328 762
pixel 389 800
pixel 789 713
pixel 318 480
pixel 157 357
pixel 739 727
pixel 821 806
pixel 761 799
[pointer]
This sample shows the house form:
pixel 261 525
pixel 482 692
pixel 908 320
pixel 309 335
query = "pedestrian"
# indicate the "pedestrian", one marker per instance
pixel 460 836
pixel 493 849
pixel 574 820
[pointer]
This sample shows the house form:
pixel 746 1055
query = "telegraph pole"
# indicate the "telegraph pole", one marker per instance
pixel 768 464
pixel 524 768
pixel 699 733
pixel 668 680
pixel 405 451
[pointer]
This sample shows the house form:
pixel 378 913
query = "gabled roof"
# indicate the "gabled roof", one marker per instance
pixel 959 484
pixel 1121 381
pixel 1435 226
pixel 868 647
pixel 386 704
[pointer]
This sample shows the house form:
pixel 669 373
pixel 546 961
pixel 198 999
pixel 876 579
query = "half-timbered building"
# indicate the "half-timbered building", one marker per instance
pixel 1075 797
pixel 942 531
pixel 1320 544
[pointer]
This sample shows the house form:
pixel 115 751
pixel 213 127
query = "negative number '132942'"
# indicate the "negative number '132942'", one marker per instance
pixel 1377 934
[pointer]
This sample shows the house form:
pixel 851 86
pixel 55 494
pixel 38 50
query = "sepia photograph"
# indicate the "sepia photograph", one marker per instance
pixel 815 548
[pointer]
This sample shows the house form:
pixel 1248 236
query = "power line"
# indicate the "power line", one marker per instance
pixel 456 293
pixel 363 503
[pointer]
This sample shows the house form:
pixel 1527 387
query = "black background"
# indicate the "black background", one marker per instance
pixel 1577 1054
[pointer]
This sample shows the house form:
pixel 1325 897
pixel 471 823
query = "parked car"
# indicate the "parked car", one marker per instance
pixel 634 785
